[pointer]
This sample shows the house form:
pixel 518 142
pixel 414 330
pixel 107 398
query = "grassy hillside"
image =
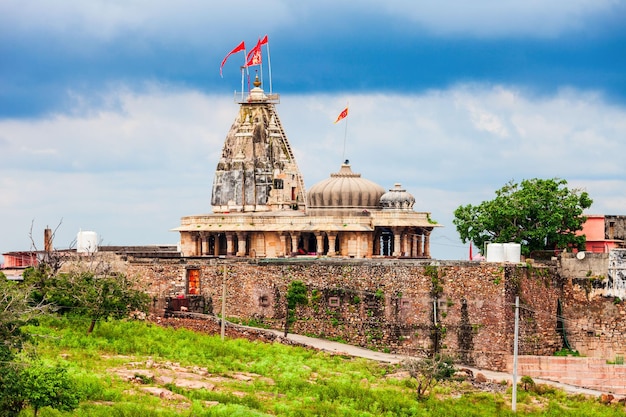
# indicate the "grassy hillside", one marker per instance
pixel 129 368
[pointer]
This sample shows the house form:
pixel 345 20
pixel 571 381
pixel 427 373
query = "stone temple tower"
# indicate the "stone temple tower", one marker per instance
pixel 257 171
pixel 260 208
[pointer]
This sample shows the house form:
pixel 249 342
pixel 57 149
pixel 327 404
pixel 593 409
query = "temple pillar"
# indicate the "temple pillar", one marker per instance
pixel 427 243
pixel 197 243
pixel 332 237
pixel 295 236
pixel 229 244
pixel 413 245
pixel 420 251
pixel 204 244
pixel 376 244
pixel 319 237
pixel 405 244
pixel 397 241
pixel 216 245
pixel 241 244
pixel 283 245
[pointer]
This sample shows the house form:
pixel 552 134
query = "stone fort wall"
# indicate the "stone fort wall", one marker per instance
pixel 405 306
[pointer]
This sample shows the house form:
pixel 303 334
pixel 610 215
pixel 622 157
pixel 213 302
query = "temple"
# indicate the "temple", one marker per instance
pixel 260 208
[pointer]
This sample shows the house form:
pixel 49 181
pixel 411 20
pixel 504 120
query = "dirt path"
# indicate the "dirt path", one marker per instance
pixel 349 350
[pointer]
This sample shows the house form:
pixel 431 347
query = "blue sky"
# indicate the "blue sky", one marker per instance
pixel 113 114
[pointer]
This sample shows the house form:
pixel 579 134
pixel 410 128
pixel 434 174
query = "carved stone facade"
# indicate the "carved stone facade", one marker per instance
pixel 261 208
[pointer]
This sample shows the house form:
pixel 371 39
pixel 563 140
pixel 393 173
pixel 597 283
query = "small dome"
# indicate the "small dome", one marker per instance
pixel 345 190
pixel 397 199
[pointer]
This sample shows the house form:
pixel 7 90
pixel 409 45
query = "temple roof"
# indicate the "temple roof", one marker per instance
pixel 346 190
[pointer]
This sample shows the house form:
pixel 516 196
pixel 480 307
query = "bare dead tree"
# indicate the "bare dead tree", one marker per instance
pixel 51 260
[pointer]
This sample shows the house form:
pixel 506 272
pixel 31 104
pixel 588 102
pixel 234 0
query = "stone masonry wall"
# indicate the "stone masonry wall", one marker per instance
pixel 595 325
pixel 462 308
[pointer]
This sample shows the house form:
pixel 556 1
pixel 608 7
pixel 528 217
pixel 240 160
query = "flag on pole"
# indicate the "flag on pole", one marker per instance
pixel 254 56
pixel 238 48
pixel 342 115
pixel 471 256
pixel 263 41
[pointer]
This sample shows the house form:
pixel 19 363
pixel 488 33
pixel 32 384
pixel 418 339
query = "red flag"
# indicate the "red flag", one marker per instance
pixel 238 48
pixel 342 115
pixel 471 256
pixel 254 56
pixel 263 41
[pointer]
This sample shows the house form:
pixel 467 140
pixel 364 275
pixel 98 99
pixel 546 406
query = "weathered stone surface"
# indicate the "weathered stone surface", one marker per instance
pixel 391 305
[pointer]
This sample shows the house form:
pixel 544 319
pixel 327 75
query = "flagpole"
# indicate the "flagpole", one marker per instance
pixel 242 80
pixel 245 64
pixel 261 68
pixel 259 45
pixel 269 65
pixel 345 135
pixel 245 54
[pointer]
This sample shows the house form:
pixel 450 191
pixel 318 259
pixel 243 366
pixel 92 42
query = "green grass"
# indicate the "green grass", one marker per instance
pixel 283 380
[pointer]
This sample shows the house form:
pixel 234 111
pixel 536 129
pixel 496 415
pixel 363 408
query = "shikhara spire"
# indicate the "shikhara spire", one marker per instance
pixel 257 170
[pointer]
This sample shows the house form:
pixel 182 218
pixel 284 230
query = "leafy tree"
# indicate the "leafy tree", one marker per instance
pixel 16 311
pixel 540 214
pixel 89 288
pixel 46 386
pixel 11 400
pixel 428 372
pixel 96 296
pixel 296 295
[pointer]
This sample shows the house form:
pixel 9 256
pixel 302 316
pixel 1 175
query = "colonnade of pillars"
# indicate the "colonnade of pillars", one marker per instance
pixel 407 242
pixel 403 242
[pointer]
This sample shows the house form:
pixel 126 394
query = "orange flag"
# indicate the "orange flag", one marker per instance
pixel 342 115
pixel 238 48
pixel 254 56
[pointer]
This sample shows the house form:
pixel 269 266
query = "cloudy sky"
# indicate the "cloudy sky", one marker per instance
pixel 113 114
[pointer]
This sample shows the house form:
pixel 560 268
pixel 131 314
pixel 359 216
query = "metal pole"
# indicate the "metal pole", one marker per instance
pixel 345 135
pixel 514 396
pixel 243 70
pixel 269 64
pixel 224 303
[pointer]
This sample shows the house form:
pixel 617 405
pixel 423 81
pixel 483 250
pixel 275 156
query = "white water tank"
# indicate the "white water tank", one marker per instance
pixel 86 242
pixel 495 252
pixel 512 252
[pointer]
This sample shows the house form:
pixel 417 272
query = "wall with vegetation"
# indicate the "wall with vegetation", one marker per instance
pixel 462 308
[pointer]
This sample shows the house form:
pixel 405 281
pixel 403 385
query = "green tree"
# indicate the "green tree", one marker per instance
pixel 296 295
pixel 11 400
pixel 540 214
pixel 90 288
pixel 47 386
pixel 16 311
pixel 96 296
pixel 428 372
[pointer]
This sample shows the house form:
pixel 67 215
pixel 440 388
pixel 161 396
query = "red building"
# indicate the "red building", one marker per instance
pixel 20 259
pixel 604 232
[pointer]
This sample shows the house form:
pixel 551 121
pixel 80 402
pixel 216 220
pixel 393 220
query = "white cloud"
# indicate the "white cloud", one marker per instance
pixel 200 22
pixel 130 171
pixel 195 22
pixel 486 18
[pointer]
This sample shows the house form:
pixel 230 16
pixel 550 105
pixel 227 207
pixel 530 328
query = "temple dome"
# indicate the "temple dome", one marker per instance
pixel 397 199
pixel 345 190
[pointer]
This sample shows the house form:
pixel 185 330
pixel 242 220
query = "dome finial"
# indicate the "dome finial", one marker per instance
pixel 257 82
